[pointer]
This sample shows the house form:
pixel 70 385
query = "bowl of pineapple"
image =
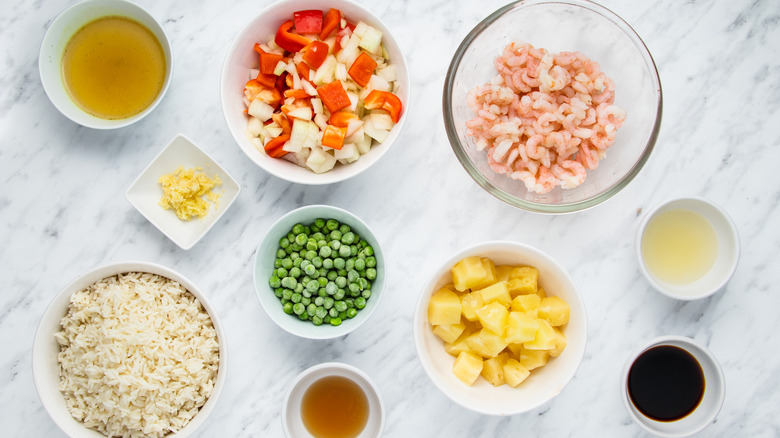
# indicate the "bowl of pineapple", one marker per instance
pixel 500 328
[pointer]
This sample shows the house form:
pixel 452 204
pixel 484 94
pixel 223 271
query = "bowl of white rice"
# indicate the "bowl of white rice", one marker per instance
pixel 129 349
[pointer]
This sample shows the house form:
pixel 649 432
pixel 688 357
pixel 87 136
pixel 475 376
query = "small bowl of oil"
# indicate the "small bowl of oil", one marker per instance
pixel 333 400
pixel 688 248
pixel 105 64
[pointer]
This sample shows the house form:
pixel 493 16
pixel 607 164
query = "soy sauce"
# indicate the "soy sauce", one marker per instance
pixel 666 383
pixel 334 407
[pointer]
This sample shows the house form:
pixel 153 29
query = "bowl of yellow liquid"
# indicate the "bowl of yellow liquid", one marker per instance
pixel 105 63
pixel 688 248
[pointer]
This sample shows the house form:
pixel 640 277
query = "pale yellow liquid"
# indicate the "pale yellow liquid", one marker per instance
pixel 113 67
pixel 679 246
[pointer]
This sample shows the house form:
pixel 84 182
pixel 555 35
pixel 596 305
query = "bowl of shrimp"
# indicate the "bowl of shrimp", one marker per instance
pixel 552 106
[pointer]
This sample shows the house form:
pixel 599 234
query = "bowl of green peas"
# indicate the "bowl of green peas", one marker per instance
pixel 319 272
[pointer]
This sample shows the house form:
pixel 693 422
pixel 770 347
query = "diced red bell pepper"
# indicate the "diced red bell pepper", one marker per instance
pixel 341 119
pixel 255 90
pixel 315 53
pixel 303 70
pixel 289 41
pixel 362 69
pixel 259 49
pixel 296 93
pixel 308 22
pixel 333 136
pixel 268 62
pixel 386 101
pixel 267 80
pixel 334 96
pixel 330 23
pixel 274 147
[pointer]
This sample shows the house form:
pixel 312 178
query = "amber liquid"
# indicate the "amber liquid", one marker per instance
pixel 666 383
pixel 334 407
pixel 113 67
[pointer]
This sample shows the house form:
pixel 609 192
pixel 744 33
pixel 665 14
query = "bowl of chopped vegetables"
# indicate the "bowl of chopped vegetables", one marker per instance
pixel 315 92
pixel 319 272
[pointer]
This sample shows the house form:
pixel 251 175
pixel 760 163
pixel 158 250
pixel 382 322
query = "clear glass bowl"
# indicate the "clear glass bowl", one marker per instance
pixel 568 25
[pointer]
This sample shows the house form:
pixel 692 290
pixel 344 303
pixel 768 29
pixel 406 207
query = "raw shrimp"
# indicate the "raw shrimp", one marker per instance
pixel 545 119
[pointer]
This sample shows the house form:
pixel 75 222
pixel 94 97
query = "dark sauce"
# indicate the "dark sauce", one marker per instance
pixel 666 383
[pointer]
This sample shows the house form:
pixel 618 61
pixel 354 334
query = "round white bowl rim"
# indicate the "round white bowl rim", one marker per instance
pixel 325 367
pixel 733 233
pixel 88 120
pixel 495 244
pixel 343 329
pixel 327 177
pixel 566 207
pixel 689 343
pixel 39 369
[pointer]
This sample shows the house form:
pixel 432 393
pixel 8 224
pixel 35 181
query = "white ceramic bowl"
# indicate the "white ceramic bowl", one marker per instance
pixel 264 266
pixel 544 383
pixel 728 249
pixel 241 58
pixel 45 348
pixel 708 408
pixel 291 409
pixel 145 192
pixel 59 33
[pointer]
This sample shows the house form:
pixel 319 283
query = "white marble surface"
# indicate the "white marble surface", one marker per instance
pixel 62 212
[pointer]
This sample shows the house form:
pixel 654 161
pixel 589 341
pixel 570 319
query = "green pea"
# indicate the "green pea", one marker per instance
pixel 360 303
pixel 278 292
pixel 335 245
pixel 319 223
pixel 339 263
pixel 316 320
pixel 350 302
pixel 275 282
pixel 281 272
pixel 303 316
pixel 332 275
pixel 311 309
pixel 295 271
pixel 289 282
pixel 287 294
pixel 313 285
pixel 305 300
pixel 321 312
pixel 332 224
pixel 344 228
pixel 335 235
pixel 371 274
pixel 287 308
pixel 298 308
pixel 322 281
pixel 363 283
pixel 360 264
pixel 339 295
pixel 351 313
pixel 344 251
pixel 348 238
pixel 366 294
pixel 371 261
pixel 343 315
pixel 340 306
pixel 301 239
pixel 333 312
pixel 317 262
pixel 335 321
pixel 328 304
pixel 297 261
pixel 277 263
pixel 280 253
pixel 350 265
pixel 325 252
pixel 331 288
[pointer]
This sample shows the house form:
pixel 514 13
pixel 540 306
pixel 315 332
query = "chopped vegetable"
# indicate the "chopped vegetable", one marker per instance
pixel 334 96
pixel 386 101
pixel 290 41
pixel 333 136
pixel 330 23
pixel 315 53
pixel 308 22
pixel 362 69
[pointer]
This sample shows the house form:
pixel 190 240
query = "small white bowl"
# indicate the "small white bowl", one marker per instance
pixel 544 383
pixel 705 412
pixel 46 348
pixel 145 192
pixel 264 266
pixel 291 409
pixel 241 58
pixel 59 34
pixel 728 249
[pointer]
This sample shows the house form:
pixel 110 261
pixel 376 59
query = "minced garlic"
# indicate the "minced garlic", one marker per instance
pixel 184 192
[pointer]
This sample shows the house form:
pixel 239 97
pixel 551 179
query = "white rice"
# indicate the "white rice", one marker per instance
pixel 138 357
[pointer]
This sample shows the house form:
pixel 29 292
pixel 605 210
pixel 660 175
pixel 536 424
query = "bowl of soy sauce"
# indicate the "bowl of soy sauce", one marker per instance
pixel 673 386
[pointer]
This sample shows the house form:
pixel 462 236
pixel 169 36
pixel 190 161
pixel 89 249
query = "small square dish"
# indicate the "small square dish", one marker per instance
pixel 146 192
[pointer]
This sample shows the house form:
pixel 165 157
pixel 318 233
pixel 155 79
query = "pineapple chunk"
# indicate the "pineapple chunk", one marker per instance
pixel 467 367
pixel 444 307
pixel 554 310
pixel 544 339
pixel 493 317
pixel 493 369
pixel 523 280
pixel 534 358
pixel 468 273
pixel 515 350
pixel 560 343
pixel 470 302
pixel 497 292
pixel 542 294
pixel 486 343
pixel 449 332
pixel 514 372
pixel 526 303
pixel 520 328
pixel 456 347
pixel 502 272
pixel 490 273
